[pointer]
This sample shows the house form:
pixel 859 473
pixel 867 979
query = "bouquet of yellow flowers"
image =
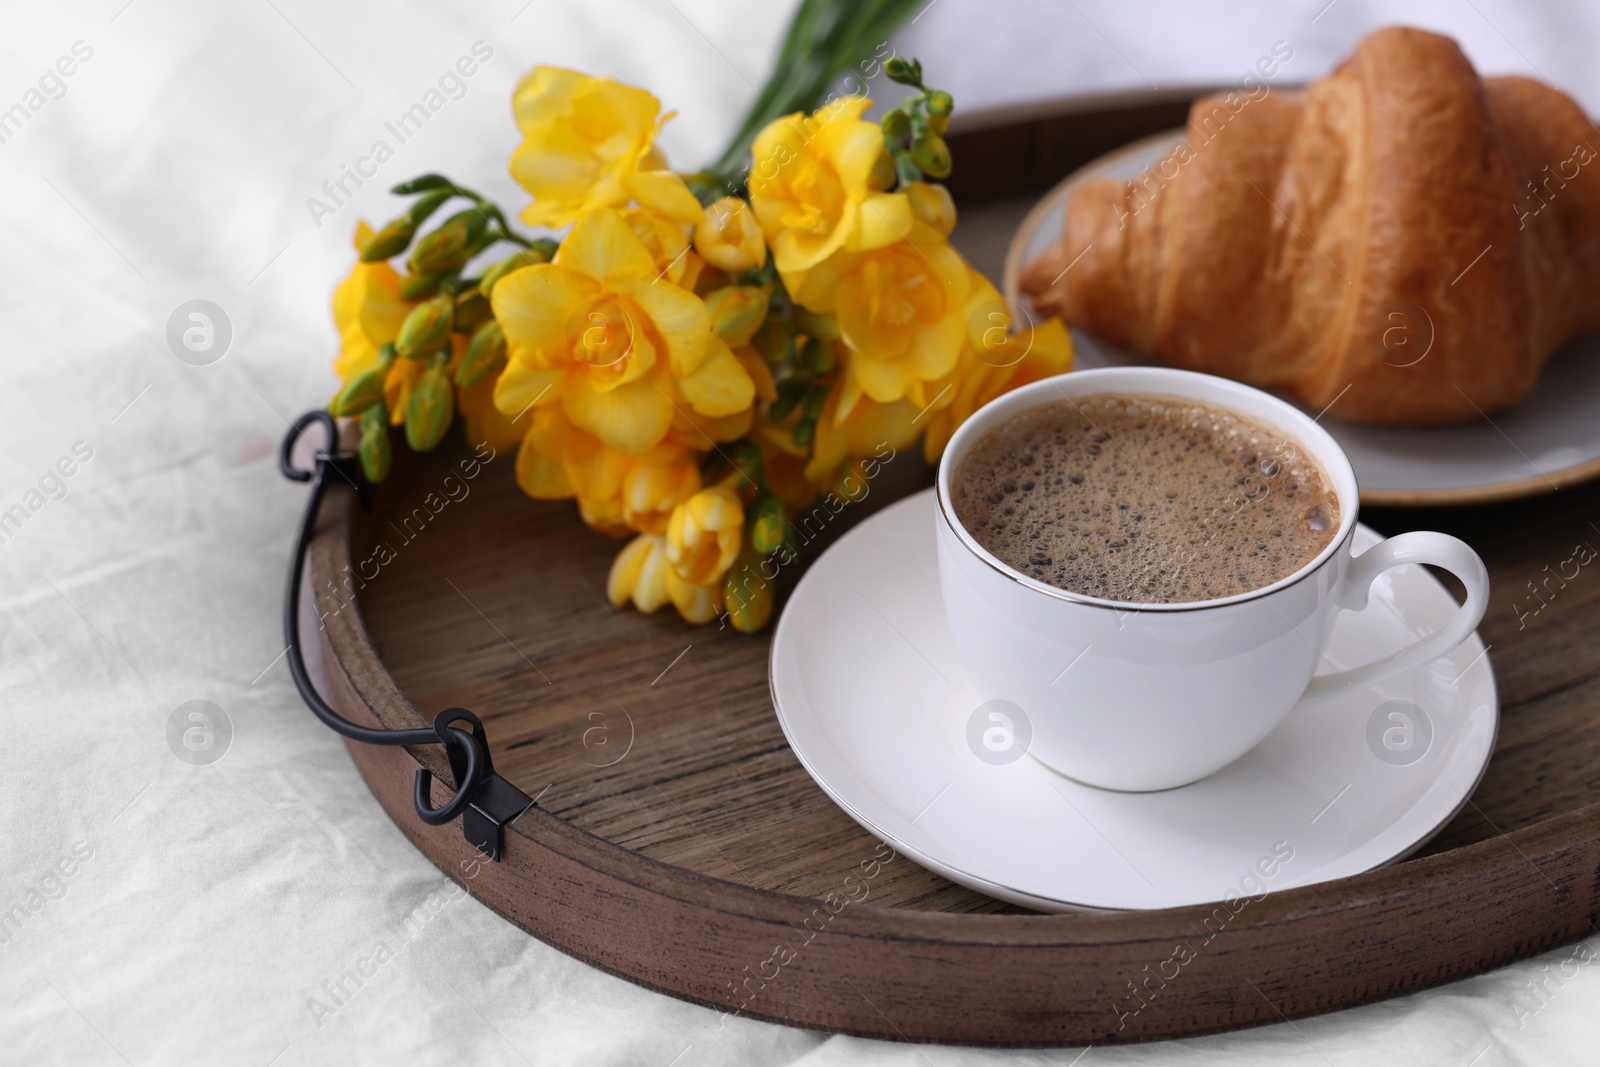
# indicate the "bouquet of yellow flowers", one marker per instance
pixel 696 358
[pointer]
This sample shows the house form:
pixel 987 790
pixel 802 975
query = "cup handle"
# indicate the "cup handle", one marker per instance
pixel 1440 550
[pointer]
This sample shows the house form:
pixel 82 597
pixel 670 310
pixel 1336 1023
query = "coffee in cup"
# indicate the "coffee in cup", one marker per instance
pixel 1145 499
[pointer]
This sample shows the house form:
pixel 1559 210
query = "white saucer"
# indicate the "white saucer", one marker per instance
pixel 1557 437
pixel 874 702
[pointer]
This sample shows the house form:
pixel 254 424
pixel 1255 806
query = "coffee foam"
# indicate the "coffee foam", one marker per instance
pixel 1146 499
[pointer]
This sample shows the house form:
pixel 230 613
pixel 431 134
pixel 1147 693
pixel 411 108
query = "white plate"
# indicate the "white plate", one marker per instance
pixel 874 702
pixel 1549 441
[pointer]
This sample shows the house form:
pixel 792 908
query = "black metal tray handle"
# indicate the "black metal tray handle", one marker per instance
pixel 483 800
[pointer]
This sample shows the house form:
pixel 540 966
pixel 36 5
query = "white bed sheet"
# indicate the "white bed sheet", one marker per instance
pixel 182 914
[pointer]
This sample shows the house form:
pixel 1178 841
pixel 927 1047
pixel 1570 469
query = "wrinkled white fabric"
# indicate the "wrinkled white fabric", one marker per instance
pixel 164 913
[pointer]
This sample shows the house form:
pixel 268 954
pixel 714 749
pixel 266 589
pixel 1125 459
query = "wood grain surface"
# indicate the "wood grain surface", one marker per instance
pixel 660 737
pixel 676 839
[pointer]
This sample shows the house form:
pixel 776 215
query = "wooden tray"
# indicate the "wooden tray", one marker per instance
pixel 677 842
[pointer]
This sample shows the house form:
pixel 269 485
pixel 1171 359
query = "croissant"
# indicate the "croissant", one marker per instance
pixel 1400 242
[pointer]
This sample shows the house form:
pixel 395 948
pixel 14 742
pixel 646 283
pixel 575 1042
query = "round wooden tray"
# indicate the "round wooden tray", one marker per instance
pixel 677 842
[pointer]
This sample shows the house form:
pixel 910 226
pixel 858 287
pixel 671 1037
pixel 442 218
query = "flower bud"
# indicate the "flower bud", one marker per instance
pixel 359 393
pixel 938 123
pixel 905 170
pixel 933 204
pixel 773 340
pixel 895 123
pixel 816 324
pixel 940 103
pixel 365 391
pixel 639 573
pixel 790 390
pixel 883 173
pixel 439 247
pixel 747 595
pixel 766 523
pixel 394 238
pixel 430 411
pixel 375 450
pixel 930 153
pixel 421 183
pixel 903 71
pixel 486 354
pixel 420 286
pixel 471 310
pixel 375 418
pixel 737 312
pixel 442 249
pixel 704 534
pixel 528 257
pixel 747 458
pixel 426 205
pixel 427 329
pixel 729 238
pixel 816 397
pixel 696 603
pixel 817 356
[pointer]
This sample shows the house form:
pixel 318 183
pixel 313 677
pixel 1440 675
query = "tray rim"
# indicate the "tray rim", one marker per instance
pixel 559 883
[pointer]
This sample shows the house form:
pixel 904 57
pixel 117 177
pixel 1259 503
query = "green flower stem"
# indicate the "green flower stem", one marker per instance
pixel 506 235
pixel 824 38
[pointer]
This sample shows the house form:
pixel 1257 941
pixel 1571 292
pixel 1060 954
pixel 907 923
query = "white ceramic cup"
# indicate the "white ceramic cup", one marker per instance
pixel 1151 696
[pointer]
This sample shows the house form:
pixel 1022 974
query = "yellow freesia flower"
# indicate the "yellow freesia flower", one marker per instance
pixel 686 565
pixel 720 386
pixel 650 492
pixel 721 407
pixel 760 373
pixel 665 218
pixel 998 355
pixel 703 534
pixel 665 240
pixel 485 423
pixel 870 429
pixel 639 573
pixel 616 494
pixel 901 311
pixel 586 143
pixel 620 349
pixel 696 603
pixel 703 538
pixel 550 447
pixel 808 186
pixel 729 237
pixel 694 431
